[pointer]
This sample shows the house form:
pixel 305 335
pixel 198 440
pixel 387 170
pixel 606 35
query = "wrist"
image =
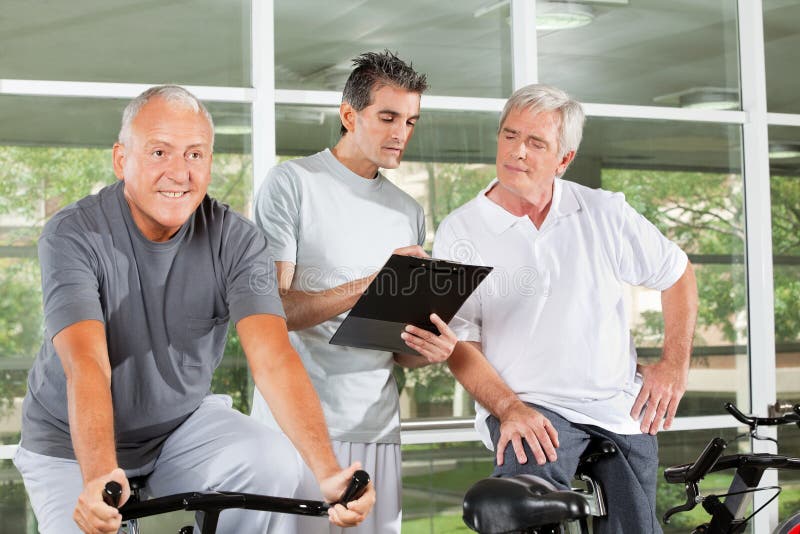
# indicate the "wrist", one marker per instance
pixel 507 406
pixel 325 468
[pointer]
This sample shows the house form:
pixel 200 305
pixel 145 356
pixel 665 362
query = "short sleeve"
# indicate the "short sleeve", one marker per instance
pixel 647 258
pixel 252 287
pixel 467 322
pixel 70 281
pixel 277 213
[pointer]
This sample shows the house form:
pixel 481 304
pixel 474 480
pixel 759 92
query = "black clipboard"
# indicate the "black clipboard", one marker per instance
pixel 406 291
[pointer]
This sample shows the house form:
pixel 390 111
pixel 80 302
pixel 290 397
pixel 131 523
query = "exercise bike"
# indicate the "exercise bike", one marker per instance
pixel 729 516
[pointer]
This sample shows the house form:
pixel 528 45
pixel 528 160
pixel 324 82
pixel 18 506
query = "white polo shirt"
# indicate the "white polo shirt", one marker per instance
pixel 551 317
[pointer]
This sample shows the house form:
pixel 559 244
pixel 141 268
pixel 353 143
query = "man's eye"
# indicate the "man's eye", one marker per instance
pixel 195 155
pixel 387 119
pixel 158 153
pixel 411 123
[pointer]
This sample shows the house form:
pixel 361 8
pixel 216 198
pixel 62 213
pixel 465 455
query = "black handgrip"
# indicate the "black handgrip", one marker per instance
pixel 742 418
pixel 706 460
pixel 112 493
pixel 753 421
pixel 356 488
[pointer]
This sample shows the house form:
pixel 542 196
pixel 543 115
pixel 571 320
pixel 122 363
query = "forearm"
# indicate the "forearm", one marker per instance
pixel 91 421
pixel 471 368
pixel 305 309
pixel 81 347
pixel 679 307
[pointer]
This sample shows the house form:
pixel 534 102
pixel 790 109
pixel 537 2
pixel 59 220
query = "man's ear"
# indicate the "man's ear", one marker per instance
pixel 118 158
pixel 565 161
pixel 348 116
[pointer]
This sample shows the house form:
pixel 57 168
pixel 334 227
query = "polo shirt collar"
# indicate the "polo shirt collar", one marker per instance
pixel 498 219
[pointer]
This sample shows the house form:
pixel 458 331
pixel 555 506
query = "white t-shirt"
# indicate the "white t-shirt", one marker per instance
pixel 336 226
pixel 551 317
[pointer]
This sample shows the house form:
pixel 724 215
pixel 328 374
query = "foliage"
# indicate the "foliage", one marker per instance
pixel 453 184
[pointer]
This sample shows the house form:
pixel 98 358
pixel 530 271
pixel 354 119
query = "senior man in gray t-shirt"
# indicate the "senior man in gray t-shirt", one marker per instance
pixel 139 284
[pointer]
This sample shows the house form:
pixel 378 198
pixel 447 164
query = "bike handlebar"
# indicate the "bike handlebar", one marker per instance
pixel 753 421
pixel 112 494
pixel 696 471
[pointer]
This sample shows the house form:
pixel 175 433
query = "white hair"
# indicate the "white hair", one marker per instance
pixel 542 98
pixel 170 93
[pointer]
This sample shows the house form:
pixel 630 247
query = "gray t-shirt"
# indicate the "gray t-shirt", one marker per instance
pixel 336 226
pixel 165 307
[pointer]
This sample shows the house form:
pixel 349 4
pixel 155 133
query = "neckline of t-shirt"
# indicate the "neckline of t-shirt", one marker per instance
pixel 340 171
pixel 133 229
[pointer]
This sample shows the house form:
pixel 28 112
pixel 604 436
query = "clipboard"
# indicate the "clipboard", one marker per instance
pixel 406 291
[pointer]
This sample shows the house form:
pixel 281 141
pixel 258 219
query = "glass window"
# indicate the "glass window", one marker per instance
pixel 645 52
pixel 781 40
pixel 784 154
pixel 463 48
pixel 151 42
pixel 435 478
pixel 686 179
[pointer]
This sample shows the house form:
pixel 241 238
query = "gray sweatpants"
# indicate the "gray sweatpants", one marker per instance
pixel 628 477
pixel 217 448
pixel 382 462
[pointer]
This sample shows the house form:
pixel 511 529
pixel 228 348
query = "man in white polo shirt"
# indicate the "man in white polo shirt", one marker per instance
pixel 547 351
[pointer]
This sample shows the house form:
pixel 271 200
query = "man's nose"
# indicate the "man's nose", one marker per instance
pixel 178 169
pixel 519 150
pixel 400 131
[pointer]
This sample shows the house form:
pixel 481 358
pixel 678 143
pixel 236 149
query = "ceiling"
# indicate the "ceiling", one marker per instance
pixel 634 52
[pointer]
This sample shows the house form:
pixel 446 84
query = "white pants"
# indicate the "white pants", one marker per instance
pixel 217 448
pixel 382 462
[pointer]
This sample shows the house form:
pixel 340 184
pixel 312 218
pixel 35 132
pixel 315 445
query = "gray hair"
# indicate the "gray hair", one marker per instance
pixel 170 93
pixel 377 69
pixel 543 98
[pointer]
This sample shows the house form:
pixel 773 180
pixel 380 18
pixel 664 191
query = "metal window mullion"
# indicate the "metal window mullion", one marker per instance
pixel 262 41
pixel 524 50
pixel 758 209
pixel 783 119
pixel 106 90
pixel 479 104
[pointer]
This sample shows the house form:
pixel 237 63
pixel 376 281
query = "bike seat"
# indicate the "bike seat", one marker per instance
pixel 137 484
pixel 597 449
pixel 522 502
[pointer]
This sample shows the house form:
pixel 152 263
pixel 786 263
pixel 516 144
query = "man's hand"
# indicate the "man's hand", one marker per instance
pixel 663 385
pixel 94 516
pixel 523 422
pixel 413 250
pixel 434 348
pixel 332 489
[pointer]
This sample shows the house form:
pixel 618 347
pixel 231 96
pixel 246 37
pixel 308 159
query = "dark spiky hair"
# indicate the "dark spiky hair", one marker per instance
pixel 374 70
